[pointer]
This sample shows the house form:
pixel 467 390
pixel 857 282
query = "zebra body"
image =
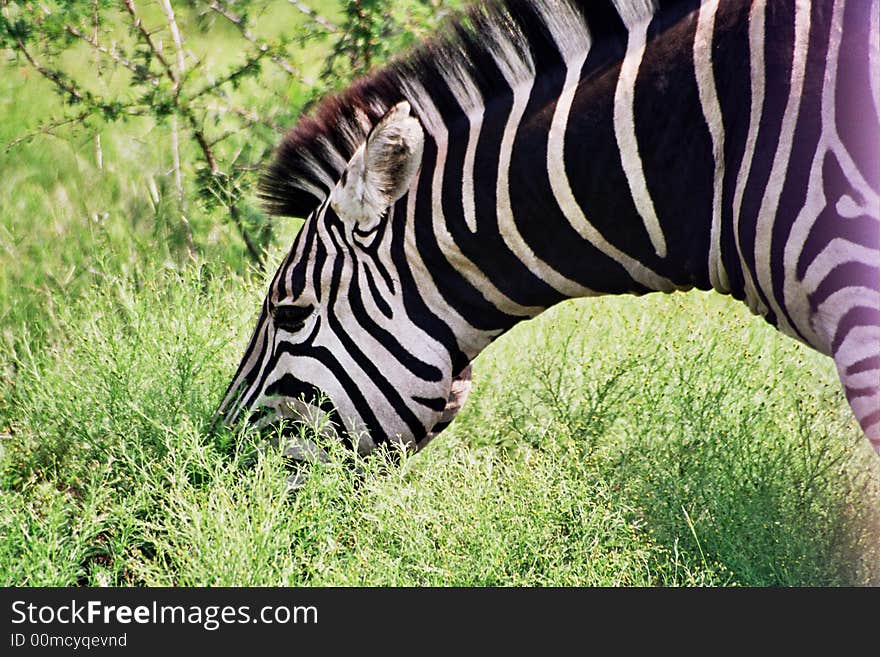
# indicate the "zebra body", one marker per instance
pixel 550 150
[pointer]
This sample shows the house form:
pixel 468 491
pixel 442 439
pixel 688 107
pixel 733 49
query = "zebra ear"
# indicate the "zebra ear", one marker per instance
pixel 394 153
pixel 381 171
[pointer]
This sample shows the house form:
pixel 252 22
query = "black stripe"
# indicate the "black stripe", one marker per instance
pixel 853 318
pixel 486 247
pixel 372 249
pixel 806 138
pixel 231 406
pixel 675 146
pixel 733 84
pixel 864 365
pixel 362 360
pixel 857 121
pixel 598 182
pixel 416 309
pixel 376 295
pixel 352 391
pixel 603 20
pixel 298 279
pixel 291 387
pixel 778 59
pixel 847 274
pixel 860 230
pixel 266 364
pixel 460 294
pixel 317 267
pixel 354 296
pixel 434 403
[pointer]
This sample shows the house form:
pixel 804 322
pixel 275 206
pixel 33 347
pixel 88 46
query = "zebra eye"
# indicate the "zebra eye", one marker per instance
pixel 291 318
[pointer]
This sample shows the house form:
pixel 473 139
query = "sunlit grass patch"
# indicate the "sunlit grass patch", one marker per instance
pixel 657 441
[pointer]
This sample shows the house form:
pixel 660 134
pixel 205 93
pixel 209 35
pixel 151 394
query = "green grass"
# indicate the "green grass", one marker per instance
pixel 668 440
pixel 665 440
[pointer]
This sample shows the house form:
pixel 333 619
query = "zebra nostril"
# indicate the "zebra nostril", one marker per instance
pixel 289 387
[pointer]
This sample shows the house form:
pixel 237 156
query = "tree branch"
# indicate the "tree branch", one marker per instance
pixel 175 36
pixel 234 212
pixel 115 56
pixel 252 249
pixel 175 143
pixel 80 96
pixel 247 122
pixel 49 128
pixel 99 150
pixel 236 20
pixel 315 16
pixel 148 39
pixel 53 76
pixel 195 129
pixel 229 77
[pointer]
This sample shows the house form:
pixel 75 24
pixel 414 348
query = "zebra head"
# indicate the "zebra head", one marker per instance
pixel 334 336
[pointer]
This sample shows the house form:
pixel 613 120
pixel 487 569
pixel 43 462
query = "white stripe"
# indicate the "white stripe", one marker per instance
pixel 469 98
pixel 506 223
pixel 836 252
pixel 561 186
pixel 773 192
pixel 756 64
pixel 332 156
pixel 310 162
pixel 566 25
pixel 861 342
pixel 377 353
pixel 633 12
pixel 854 177
pixel 841 301
pixel 293 260
pixel 705 75
pixel 510 50
pixel 795 290
pixel 510 53
pixel 874 56
pixel 625 133
pixel 471 341
pixel 467 180
pixel 387 417
pixel 384 254
pixel 312 372
pixel 265 331
pixel 433 123
pixel 410 336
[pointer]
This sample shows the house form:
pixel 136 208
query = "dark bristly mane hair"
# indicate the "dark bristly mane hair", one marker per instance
pixel 313 155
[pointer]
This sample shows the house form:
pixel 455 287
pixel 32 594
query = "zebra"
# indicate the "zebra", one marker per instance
pixel 542 150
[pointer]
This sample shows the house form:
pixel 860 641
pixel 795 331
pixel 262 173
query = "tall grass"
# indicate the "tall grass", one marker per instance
pixel 666 440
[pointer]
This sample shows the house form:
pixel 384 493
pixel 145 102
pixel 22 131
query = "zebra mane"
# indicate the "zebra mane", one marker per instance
pixel 477 56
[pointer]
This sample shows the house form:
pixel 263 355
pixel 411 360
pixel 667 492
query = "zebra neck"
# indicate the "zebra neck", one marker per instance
pixel 587 178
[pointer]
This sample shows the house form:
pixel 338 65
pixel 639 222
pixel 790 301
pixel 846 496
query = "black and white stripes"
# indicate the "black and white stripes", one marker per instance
pixel 542 150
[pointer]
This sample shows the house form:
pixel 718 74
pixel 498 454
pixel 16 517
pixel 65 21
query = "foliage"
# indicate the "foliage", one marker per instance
pixel 595 459
pixel 155 62
pixel 374 30
pixel 143 68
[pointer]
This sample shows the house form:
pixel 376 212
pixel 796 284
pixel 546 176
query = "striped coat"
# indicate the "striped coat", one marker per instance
pixel 544 150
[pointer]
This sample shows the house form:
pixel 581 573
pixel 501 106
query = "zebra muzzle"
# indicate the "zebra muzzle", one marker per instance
pixel 458 394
